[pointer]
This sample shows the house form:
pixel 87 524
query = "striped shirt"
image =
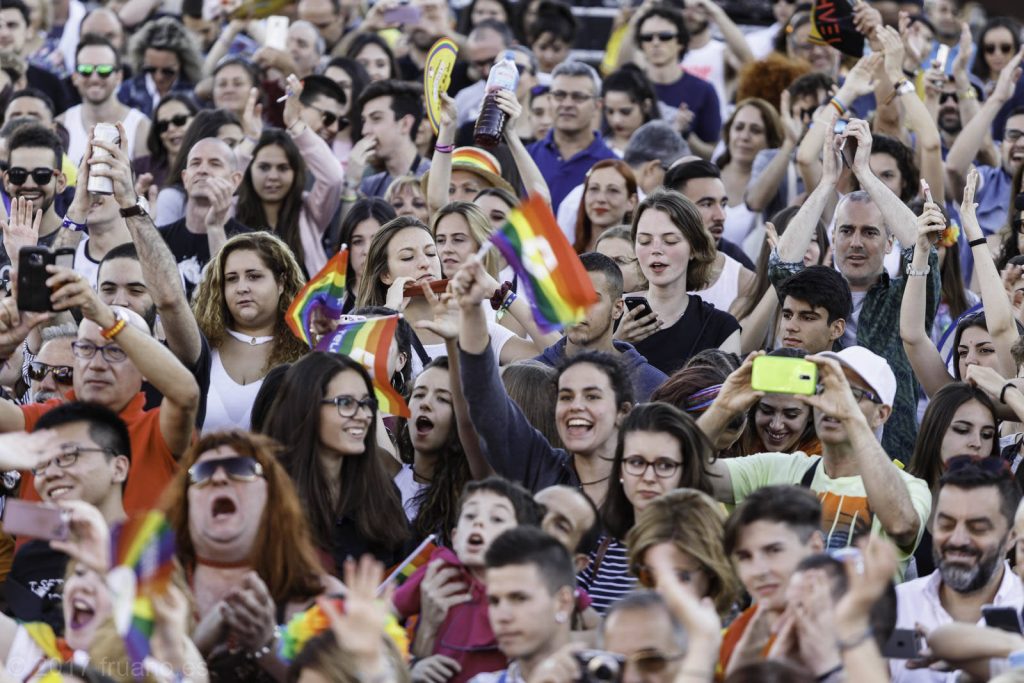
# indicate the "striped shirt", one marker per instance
pixel 612 579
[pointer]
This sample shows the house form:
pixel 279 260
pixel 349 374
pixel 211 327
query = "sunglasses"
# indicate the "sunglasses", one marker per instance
pixel 663 36
pixel 985 463
pixel 104 71
pixel 62 374
pixel 237 468
pixel 329 118
pixel 16 175
pixel 164 71
pixel 178 120
pixel 946 96
pixel 1004 48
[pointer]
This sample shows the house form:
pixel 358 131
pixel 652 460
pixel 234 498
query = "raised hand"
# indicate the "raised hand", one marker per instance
pixel 116 167
pixel 860 131
pixel 860 80
pixel 250 613
pixel 930 225
pixel 221 192
pixel 292 105
pixel 252 116
pixel 89 542
pixel 1006 84
pixel 361 627
pixel 470 284
pixel 793 127
pixel 509 103
pixel 445 310
pixel 71 290
pixel 831 164
pixel 892 51
pixel 27 450
pixel 16 325
pixel 837 400
pixel 22 227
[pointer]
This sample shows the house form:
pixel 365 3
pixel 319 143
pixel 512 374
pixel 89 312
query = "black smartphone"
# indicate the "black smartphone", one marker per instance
pixel 635 302
pixel 33 294
pixel 1004 618
pixel 904 643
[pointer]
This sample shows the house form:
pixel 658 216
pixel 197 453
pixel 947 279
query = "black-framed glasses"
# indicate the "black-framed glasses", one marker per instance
pixel 328 117
pixel 162 70
pixel 943 97
pixel 1005 48
pixel 1011 135
pixel 178 120
pixel 348 405
pixel 237 468
pixel 16 175
pixel 858 393
pixel 987 463
pixel 104 71
pixel 112 353
pixel 577 97
pixel 663 36
pixel 645 575
pixel 636 466
pixel 62 374
pixel 68 457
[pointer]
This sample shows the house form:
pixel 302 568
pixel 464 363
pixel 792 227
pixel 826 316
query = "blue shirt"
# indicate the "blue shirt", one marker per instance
pixel 993 199
pixel 562 175
pixel 702 100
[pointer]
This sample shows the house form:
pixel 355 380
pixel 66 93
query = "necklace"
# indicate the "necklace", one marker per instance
pixel 596 481
pixel 250 340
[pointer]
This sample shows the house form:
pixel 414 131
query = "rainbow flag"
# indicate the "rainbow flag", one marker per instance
pixel 305 626
pixel 368 342
pixel 325 291
pixel 407 567
pixel 557 286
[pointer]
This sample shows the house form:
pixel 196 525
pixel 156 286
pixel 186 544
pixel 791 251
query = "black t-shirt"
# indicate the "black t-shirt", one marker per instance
pixel 702 326
pixel 34 587
pixel 192 250
pixel 201 371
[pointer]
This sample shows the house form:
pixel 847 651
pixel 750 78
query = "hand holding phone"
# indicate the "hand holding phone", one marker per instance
pixel 33 294
pixel 35 520
pixel 783 375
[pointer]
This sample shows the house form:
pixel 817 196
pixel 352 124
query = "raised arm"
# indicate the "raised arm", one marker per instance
pixel 794 242
pixel 739 52
pixel 761 189
pixel 533 179
pixel 441 163
pixel 15 326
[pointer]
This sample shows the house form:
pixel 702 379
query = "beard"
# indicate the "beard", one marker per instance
pixel 964 578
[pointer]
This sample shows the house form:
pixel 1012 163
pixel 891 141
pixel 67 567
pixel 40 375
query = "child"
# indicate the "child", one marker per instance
pixel 448 593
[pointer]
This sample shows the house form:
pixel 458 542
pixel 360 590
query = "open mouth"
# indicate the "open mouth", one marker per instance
pixel 82 613
pixel 58 492
pixel 475 543
pixel 223 506
pixel 658 268
pixel 424 425
pixel 775 437
pixel 579 427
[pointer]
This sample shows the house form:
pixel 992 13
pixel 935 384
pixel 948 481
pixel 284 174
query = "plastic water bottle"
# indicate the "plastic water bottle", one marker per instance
pixel 491 123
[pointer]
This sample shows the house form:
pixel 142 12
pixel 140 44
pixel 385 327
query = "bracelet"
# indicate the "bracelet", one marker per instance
pixel 969 94
pixel 831 672
pixel 978 242
pixel 838 106
pixel 1002 394
pixel 114 330
pixel 72 225
pixel 498 298
pixel 267 648
pixel 444 149
pixel 845 645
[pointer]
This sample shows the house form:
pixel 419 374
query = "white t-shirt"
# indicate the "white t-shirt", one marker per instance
pixel 708 63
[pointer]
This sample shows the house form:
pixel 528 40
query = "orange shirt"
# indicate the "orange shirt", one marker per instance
pixel 731 638
pixel 153 464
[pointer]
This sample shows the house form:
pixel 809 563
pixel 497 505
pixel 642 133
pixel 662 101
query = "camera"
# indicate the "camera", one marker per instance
pixel 597 666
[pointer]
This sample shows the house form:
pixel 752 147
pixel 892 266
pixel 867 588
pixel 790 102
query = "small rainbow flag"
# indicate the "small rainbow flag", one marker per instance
pixel 325 291
pixel 407 567
pixel 554 280
pixel 305 626
pixel 368 342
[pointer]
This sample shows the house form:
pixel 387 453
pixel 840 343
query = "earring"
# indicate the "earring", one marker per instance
pixel 561 618
pixel 621 480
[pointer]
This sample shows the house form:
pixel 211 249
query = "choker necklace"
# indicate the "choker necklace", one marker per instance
pixel 596 481
pixel 222 565
pixel 248 339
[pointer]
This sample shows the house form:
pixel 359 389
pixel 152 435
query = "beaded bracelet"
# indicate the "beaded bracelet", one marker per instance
pixel 444 149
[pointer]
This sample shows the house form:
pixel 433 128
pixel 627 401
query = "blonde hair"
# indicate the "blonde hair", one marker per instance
pixel 400 185
pixel 694 523
pixel 480 229
pixel 211 308
pixel 372 290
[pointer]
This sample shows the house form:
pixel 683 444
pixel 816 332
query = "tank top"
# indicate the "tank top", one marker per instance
pixel 739 223
pixel 78 136
pixel 726 288
pixel 228 403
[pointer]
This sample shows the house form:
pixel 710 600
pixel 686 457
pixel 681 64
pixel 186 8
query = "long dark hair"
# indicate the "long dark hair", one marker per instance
pixel 367 494
pixel 366 207
pixel 1010 247
pixel 926 462
pixel 980 68
pixel 364 39
pixel 617 511
pixel 360 79
pixel 250 210
pixel 630 79
pixel 157 151
pixel 205 124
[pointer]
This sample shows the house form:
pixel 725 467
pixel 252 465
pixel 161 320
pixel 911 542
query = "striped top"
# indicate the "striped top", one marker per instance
pixel 612 580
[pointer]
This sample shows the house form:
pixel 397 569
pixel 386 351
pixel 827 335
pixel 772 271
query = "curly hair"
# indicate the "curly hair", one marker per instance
pixel 167 33
pixel 765 79
pixel 211 308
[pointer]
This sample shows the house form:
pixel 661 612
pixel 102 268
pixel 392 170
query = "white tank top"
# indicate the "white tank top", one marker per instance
pixel 78 136
pixel 228 403
pixel 739 223
pixel 726 288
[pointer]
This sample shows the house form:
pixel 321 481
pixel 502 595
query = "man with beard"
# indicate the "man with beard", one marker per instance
pixel 485 42
pixel 594 333
pixel 435 22
pixel 971 535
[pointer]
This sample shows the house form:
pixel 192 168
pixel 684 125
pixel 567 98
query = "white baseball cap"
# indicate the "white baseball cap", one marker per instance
pixel 871 367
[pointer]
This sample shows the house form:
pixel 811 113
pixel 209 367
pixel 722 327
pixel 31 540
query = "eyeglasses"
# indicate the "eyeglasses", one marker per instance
pixel 328 117
pixel 104 71
pixel 163 70
pixel 577 97
pixel 943 97
pixel 663 36
pixel 178 120
pixel 645 575
pixel 237 468
pixel 16 175
pixel 62 374
pixel 636 466
pixel 349 406
pixel 1005 48
pixel 68 457
pixel 652 661
pixel 112 353
pixel 1012 135
pixel 986 463
pixel 858 393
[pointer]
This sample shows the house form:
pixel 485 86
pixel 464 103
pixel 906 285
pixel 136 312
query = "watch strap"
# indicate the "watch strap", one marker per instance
pixel 135 209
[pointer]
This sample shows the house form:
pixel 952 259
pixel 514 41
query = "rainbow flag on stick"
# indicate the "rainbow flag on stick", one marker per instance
pixel 325 291
pixel 416 559
pixel 554 280
pixel 368 342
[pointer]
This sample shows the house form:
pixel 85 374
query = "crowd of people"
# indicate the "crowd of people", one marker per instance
pixel 634 497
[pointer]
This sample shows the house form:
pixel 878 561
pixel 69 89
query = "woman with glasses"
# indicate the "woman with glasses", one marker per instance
pixel 166 60
pixel 326 415
pixel 659 449
pixel 998 42
pixel 240 306
pixel 170 121
pixel 686 526
pixel 242 537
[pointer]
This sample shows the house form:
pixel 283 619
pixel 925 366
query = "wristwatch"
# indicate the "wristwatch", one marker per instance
pixel 911 271
pixel 141 206
pixel 904 87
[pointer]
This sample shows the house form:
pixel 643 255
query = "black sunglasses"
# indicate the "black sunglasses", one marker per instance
pixel 239 468
pixel 178 120
pixel 62 374
pixel 104 71
pixel 164 71
pixel 663 36
pixel 17 175
pixel 1005 48
pixel 329 117
pixel 943 97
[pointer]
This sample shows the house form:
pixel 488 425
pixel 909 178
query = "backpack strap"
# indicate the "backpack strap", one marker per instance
pixel 808 477
pixel 602 550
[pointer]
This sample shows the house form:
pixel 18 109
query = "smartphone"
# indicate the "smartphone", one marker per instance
pixel 64 257
pixel 1004 618
pixel 35 520
pixel 635 302
pixel 414 289
pixel 33 294
pixel 277 32
pixel 404 14
pixel 782 375
pixel 904 643
pixel 840 126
